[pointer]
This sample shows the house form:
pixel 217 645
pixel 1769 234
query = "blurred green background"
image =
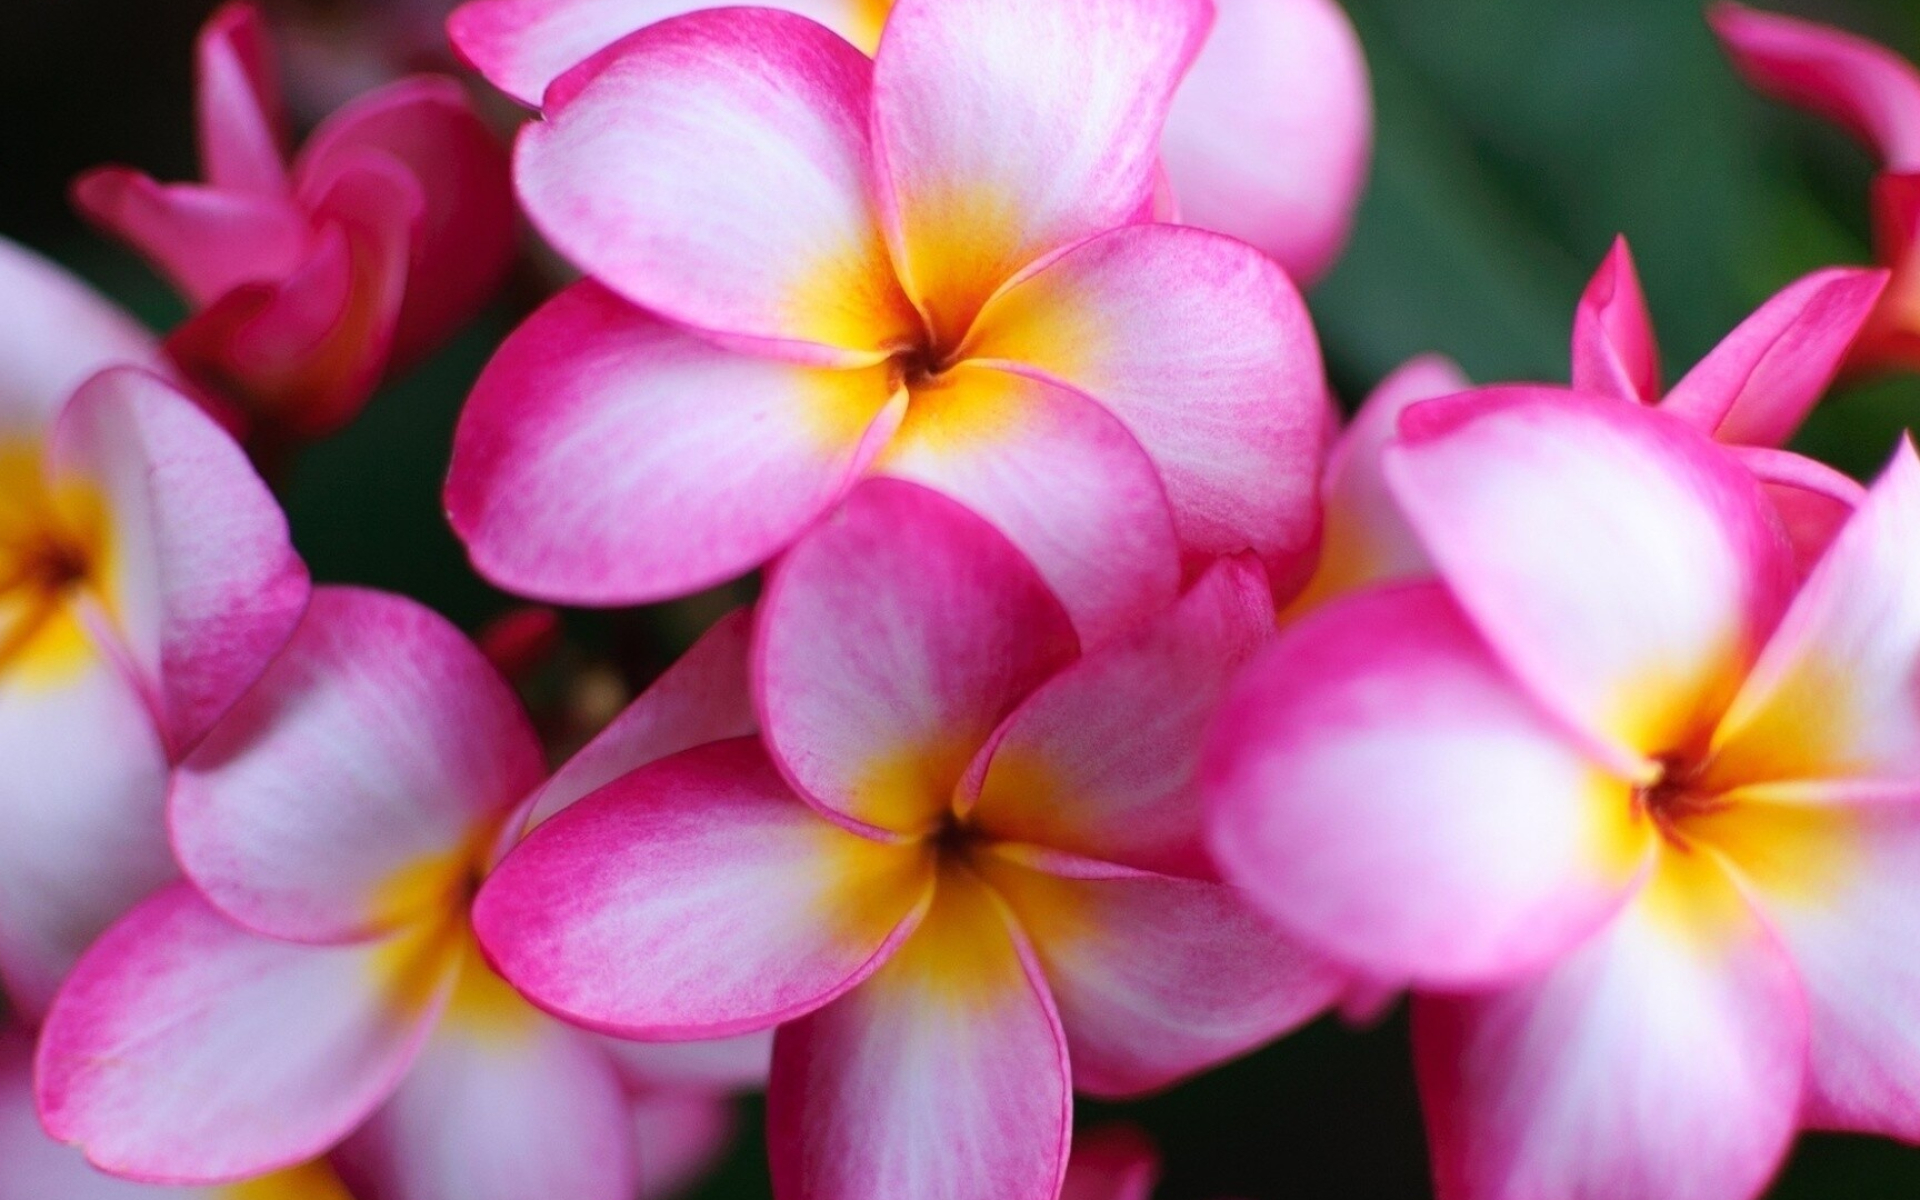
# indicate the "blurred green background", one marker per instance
pixel 1516 138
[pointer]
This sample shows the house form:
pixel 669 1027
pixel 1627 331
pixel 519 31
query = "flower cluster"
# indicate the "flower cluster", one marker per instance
pixel 1105 709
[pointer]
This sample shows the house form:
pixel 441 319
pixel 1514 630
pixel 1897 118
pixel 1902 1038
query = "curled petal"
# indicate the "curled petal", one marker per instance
pixel 242 124
pixel 207 240
pixel 1614 349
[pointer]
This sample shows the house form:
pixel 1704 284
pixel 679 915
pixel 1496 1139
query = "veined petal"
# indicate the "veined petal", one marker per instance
pixel 702 698
pixel 207 240
pixel 1381 786
pixel 1005 130
pixel 1060 477
pixel 1758 385
pixel 1204 350
pixel 608 457
pixel 353 789
pixel 1155 978
pixel 521 46
pixel 1867 88
pixel 500 1114
pixel 696 898
pixel 945 1074
pixel 714 168
pixel 83 802
pixel 1622 565
pixel 58 333
pixel 201 579
pixel 1364 538
pixel 1270 133
pixel 242 125
pixel 138 1059
pixel 892 642
pixel 1663 1059
pixel 1832 697
pixel 1102 760
pixel 1615 352
pixel 1116 1162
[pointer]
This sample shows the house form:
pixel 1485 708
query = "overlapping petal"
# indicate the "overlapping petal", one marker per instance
pixel 206 240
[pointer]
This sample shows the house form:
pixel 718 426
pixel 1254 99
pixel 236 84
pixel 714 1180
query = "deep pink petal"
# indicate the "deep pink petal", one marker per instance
pixel 203 579
pixel 1060 476
pixel 714 168
pixel 1615 352
pixel 1892 336
pixel 945 1074
pixel 351 790
pixel 1204 350
pixel 891 643
pixel 1621 564
pixel 206 240
pixel 695 898
pixel 608 457
pixel 1005 130
pixel 702 698
pixel 242 123
pixel 1758 385
pixel 1270 134
pixel 1116 1162
pixel 1814 500
pixel 1664 1059
pixel 464 240
pixel 1866 87
pixel 58 332
pixel 140 1061
pixel 1102 760
pixel 1155 978
pixel 1385 790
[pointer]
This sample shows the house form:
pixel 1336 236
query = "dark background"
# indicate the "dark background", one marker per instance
pixel 1516 138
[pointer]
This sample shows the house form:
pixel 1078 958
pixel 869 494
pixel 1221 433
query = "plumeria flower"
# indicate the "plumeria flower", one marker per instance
pixel 1750 394
pixel 1638 819
pixel 333 826
pixel 809 267
pixel 1874 94
pixel 313 280
pixel 1267 140
pixel 145 578
pixel 960 869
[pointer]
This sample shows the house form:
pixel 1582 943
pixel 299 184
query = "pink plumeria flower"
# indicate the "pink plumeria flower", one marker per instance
pixel 1640 820
pixel 810 267
pixel 145 578
pixel 1875 95
pixel 333 826
pixel 961 869
pixel 1267 141
pixel 312 281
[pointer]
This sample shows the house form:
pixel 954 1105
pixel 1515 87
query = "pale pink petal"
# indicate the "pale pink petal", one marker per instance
pixel 1005 130
pixel 891 643
pixel 203 581
pixel 1204 350
pixel 517 1108
pixel 1620 563
pixel 521 46
pixel 945 1074
pixel 1381 786
pixel 695 898
pixel 683 1136
pixel 82 801
pixel 1664 1058
pixel 1866 87
pixel 713 1067
pixel 206 240
pixel 464 240
pixel 607 457
pixel 1102 760
pixel 1060 477
pixel 1270 134
pixel 714 168
pixel 185 1049
pixel 702 698
pixel 1813 500
pixel 1155 978
pixel 57 333
pixel 351 789
pixel 1116 1162
pixel 1365 538
pixel 1758 385
pixel 1614 349
pixel 1833 697
pixel 242 124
